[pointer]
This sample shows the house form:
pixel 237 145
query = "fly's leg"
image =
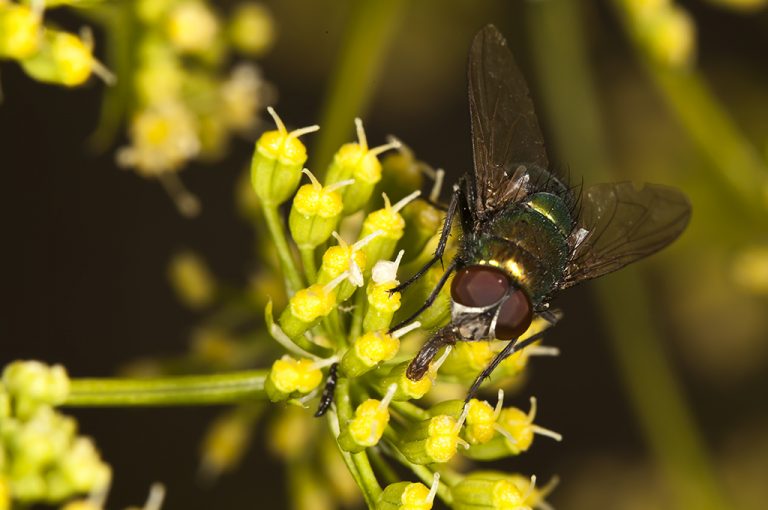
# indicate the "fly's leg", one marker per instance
pixel 326 399
pixel 452 208
pixel 420 364
pixel 512 347
pixel 431 299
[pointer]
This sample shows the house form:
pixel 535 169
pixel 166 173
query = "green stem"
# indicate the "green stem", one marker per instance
pixel 184 390
pixel 310 266
pixel 709 125
pixel 367 479
pixel 368 33
pixel 277 231
pixel 555 31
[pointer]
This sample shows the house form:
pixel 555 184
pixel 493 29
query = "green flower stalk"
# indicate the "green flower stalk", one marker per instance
pixel 408 496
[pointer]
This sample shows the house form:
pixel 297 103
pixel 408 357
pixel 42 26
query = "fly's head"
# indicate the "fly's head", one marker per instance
pixel 486 304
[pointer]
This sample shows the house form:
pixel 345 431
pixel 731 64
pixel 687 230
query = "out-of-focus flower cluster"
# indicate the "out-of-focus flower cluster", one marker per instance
pixel 357 231
pixel 187 97
pixel 42 459
pixel 46 53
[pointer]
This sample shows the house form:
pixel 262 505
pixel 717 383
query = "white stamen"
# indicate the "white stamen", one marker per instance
pixel 37 7
pixel 362 140
pixel 532 411
pixel 462 417
pixel 156 497
pixel 303 131
pixel 434 487
pixel 367 239
pixel 405 201
pixel 543 350
pixel 340 184
pixel 504 432
pixel 406 329
pixel 395 144
pixel 103 72
pixel 328 287
pixel 355 274
pixel 391 390
pixel 547 433
pixel 277 119
pixel 309 396
pixel 499 405
pixel 186 203
pixel 322 363
pixel 280 337
pixel 531 486
pixel 340 239
pixel 437 364
pixel 385 270
pixel 434 195
pixel 315 183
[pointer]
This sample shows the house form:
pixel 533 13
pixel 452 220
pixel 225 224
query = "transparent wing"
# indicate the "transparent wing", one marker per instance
pixel 620 223
pixel 505 131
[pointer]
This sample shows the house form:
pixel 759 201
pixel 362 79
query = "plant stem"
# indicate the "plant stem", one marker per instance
pixel 367 479
pixel 184 390
pixel 368 33
pixel 277 231
pixel 308 260
pixel 555 31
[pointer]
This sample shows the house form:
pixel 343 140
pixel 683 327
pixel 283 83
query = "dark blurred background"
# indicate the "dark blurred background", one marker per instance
pixel 86 245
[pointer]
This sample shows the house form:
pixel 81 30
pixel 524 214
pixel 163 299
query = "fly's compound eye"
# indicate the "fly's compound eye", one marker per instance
pixel 479 286
pixel 515 315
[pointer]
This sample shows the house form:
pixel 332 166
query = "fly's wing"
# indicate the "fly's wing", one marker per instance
pixel 620 223
pixel 505 132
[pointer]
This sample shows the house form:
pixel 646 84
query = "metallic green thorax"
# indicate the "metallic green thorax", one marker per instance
pixel 528 241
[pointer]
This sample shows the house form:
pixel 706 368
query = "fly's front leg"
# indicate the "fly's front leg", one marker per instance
pixel 420 364
pixel 452 208
pixel 431 299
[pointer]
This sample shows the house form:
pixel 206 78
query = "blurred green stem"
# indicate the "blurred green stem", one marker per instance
pixel 277 231
pixel 224 388
pixel 308 260
pixel 368 32
pixel 708 124
pixel 555 32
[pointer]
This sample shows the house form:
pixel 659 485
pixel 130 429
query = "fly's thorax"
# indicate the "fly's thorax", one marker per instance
pixel 527 241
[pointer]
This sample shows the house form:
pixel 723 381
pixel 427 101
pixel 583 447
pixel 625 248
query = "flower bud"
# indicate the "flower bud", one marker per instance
pixel 422 222
pixel 515 434
pixel 192 27
pixel 20 31
pixel 80 471
pixel 315 212
pixel 64 59
pixel 408 496
pixel 227 440
pixel 467 359
pixel 40 441
pixel 367 427
pixel 401 172
pixel 432 440
pixel 32 384
pixel 406 388
pixel 277 162
pixel 382 304
pixel 289 377
pixel 389 224
pixel 5 493
pixel 308 306
pixel 356 161
pixel 367 352
pixel 669 35
pixel 477 491
pixel 340 259
pixel 252 29
pixel 191 280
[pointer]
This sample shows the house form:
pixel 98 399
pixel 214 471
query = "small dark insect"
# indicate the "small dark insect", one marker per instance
pixel 326 399
pixel 525 233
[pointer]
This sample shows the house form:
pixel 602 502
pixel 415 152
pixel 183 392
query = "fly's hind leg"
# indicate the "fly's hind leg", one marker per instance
pixel 551 316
